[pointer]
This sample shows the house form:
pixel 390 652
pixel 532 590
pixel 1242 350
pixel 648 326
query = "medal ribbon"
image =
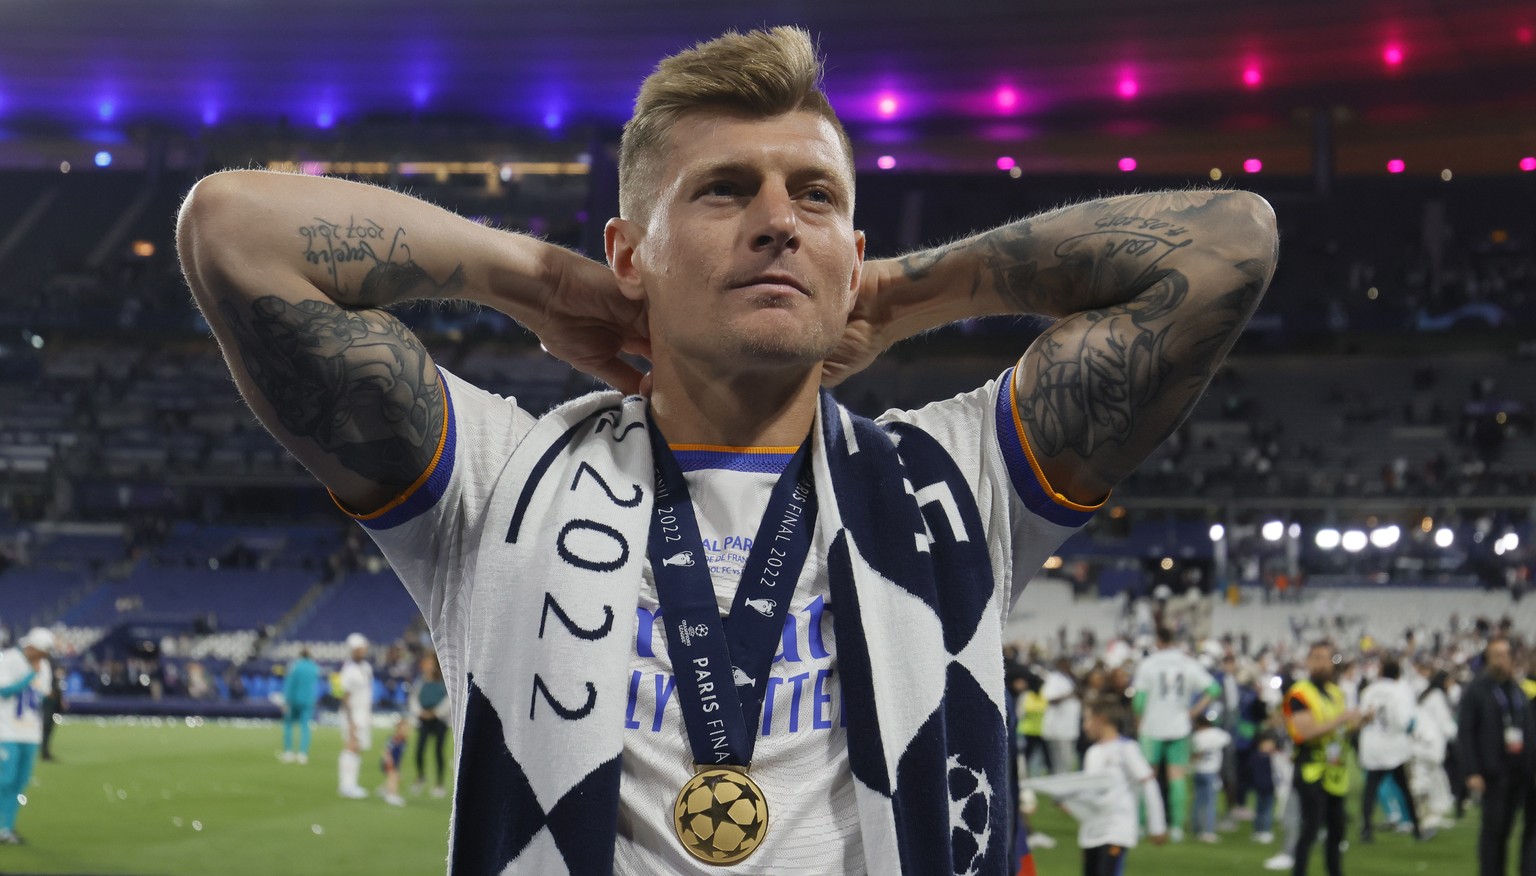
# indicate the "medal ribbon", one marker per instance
pixel 710 655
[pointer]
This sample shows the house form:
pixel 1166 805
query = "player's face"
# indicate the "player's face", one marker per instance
pixel 749 258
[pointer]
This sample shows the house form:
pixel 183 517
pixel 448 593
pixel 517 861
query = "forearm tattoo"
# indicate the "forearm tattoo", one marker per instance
pixel 1109 385
pixel 356 382
pixel 393 276
pixel 1110 259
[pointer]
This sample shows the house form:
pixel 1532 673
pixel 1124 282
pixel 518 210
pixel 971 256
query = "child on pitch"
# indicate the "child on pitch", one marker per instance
pixel 1210 743
pixel 390 763
pixel 1104 796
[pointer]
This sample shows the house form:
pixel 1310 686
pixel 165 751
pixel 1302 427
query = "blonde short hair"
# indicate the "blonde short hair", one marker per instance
pixel 758 74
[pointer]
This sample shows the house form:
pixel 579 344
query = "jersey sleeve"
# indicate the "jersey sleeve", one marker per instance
pixel 430 531
pixel 1293 704
pixel 1136 767
pixel 1025 517
pixel 1200 679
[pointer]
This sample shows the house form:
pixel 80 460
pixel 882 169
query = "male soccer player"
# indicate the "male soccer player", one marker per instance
pixel 1171 688
pixel 574 568
pixel 356 715
pixel 300 686
pixel 25 678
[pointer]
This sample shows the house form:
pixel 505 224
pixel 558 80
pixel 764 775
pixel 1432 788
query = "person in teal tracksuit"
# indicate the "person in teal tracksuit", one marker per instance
pixel 25 678
pixel 301 686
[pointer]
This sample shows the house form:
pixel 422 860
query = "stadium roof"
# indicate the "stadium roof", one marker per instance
pixel 1055 84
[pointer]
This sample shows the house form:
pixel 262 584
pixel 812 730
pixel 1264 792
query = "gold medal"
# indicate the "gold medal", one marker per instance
pixel 721 815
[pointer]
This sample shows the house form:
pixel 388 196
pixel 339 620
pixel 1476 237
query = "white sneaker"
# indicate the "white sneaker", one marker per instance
pixel 394 799
pixel 286 757
pixel 1041 841
pixel 1208 838
pixel 301 758
pixel 417 788
pixel 1264 837
pixel 439 793
pixel 1176 835
pixel 1281 861
pixel 353 793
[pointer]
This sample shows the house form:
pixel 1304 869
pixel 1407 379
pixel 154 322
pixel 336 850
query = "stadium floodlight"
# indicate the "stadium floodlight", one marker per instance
pixel 1444 537
pixel 1294 530
pixel 1273 530
pixel 1511 541
pixel 1385 536
pixel 1353 540
pixel 1218 532
pixel 1327 539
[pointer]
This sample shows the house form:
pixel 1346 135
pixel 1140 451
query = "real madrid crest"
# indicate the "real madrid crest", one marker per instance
pixel 721 816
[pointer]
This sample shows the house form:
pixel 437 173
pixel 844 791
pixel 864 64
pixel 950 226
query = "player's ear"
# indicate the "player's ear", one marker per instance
pixel 621 240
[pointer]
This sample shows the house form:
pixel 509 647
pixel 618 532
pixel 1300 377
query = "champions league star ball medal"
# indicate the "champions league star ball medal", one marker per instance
pixel 721 816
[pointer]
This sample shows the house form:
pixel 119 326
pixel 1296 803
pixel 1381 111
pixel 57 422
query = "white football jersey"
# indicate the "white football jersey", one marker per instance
pixel 1113 820
pixel 20 716
pixel 357 683
pixel 801 759
pixel 1172 681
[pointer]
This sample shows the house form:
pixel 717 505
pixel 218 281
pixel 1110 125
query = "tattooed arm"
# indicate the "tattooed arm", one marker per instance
pixel 1150 292
pixel 293 274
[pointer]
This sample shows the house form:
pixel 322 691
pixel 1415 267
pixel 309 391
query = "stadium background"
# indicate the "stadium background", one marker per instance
pixel 1365 465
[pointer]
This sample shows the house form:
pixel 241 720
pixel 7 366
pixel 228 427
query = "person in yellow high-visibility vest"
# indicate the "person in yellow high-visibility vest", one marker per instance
pixel 1318 719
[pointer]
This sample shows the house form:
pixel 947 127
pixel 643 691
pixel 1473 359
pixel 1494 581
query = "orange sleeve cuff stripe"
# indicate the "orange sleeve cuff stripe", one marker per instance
pixel 1029 453
pixel 406 494
pixel 725 448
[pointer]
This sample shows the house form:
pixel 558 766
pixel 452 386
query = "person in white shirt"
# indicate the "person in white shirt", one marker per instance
pixel 1063 716
pixel 356 715
pixel 1385 743
pixel 736 269
pixel 26 677
pixel 1171 688
pixel 1108 829
pixel 1434 727
pixel 1210 744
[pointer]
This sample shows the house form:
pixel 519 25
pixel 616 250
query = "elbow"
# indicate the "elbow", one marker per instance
pixel 208 213
pixel 1255 229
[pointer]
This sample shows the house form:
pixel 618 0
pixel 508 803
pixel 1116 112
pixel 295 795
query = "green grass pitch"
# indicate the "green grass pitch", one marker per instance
pixel 164 800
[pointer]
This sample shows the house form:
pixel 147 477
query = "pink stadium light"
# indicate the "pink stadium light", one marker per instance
pixel 886 162
pixel 1127 164
pixel 1128 87
pixel 1396 165
pixel 1393 55
pixel 1252 76
pixel 1252 165
pixel 1528 163
pixel 1524 35
pixel 1006 99
pixel 1006 163
pixel 887 105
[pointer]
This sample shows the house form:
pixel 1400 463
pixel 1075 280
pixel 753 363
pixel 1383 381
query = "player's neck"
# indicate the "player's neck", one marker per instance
pixel 693 405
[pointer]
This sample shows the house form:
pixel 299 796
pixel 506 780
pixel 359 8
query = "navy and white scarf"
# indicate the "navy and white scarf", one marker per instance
pixel 917 622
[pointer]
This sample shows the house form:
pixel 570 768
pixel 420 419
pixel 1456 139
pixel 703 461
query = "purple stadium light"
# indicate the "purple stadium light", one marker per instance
pixel 325 118
pixel 1396 165
pixel 1524 35
pixel 1528 163
pixel 1128 87
pixel 210 114
pixel 103 159
pixel 552 120
pixel 885 162
pixel 421 92
pixel 1006 98
pixel 1252 165
pixel 1392 55
pixel 1252 76
pixel 106 109
pixel 1127 164
pixel 887 105
pixel 1006 163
